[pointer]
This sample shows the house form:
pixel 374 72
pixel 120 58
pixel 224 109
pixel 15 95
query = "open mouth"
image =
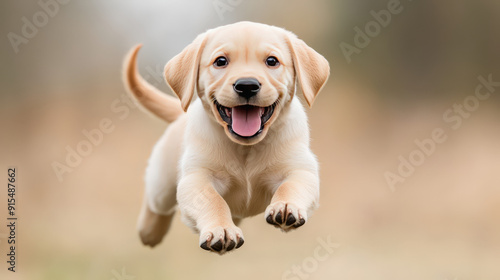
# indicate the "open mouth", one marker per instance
pixel 245 121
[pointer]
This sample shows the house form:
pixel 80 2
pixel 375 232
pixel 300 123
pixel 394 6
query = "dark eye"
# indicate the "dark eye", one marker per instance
pixel 272 61
pixel 220 61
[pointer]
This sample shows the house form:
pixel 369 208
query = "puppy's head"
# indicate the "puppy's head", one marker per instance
pixel 245 74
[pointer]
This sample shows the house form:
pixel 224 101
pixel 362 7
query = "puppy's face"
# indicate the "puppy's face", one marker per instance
pixel 246 74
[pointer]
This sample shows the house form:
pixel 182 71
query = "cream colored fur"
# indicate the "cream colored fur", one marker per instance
pixel 215 177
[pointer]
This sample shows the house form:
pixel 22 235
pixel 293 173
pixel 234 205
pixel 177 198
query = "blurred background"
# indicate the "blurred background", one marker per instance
pixel 60 74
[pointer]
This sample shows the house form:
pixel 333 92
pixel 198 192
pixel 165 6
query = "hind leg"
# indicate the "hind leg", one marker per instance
pixel 161 182
pixel 152 226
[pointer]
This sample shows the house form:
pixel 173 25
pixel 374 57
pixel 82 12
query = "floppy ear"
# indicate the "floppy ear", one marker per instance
pixel 311 68
pixel 181 72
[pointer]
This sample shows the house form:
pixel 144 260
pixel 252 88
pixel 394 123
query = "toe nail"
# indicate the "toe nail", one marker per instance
pixel 240 243
pixel 204 246
pixel 231 246
pixel 291 220
pixel 279 219
pixel 301 222
pixel 269 219
pixel 217 246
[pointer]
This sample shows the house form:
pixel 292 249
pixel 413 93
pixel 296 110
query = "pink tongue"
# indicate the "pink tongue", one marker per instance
pixel 246 120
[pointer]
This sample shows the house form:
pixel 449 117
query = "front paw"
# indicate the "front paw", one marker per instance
pixel 221 239
pixel 286 216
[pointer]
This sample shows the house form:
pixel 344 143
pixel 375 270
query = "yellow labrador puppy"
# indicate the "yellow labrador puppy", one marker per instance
pixel 242 147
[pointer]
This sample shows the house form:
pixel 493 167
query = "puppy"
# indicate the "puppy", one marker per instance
pixel 242 147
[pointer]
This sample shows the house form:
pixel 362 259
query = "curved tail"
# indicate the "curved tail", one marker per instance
pixel 164 106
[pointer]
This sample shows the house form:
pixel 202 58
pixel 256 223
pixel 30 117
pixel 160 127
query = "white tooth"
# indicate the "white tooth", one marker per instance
pixel 262 110
pixel 228 112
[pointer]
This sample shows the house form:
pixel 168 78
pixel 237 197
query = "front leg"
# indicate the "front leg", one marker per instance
pixel 294 200
pixel 203 208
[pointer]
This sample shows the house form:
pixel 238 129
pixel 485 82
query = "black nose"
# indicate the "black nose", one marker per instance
pixel 246 87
